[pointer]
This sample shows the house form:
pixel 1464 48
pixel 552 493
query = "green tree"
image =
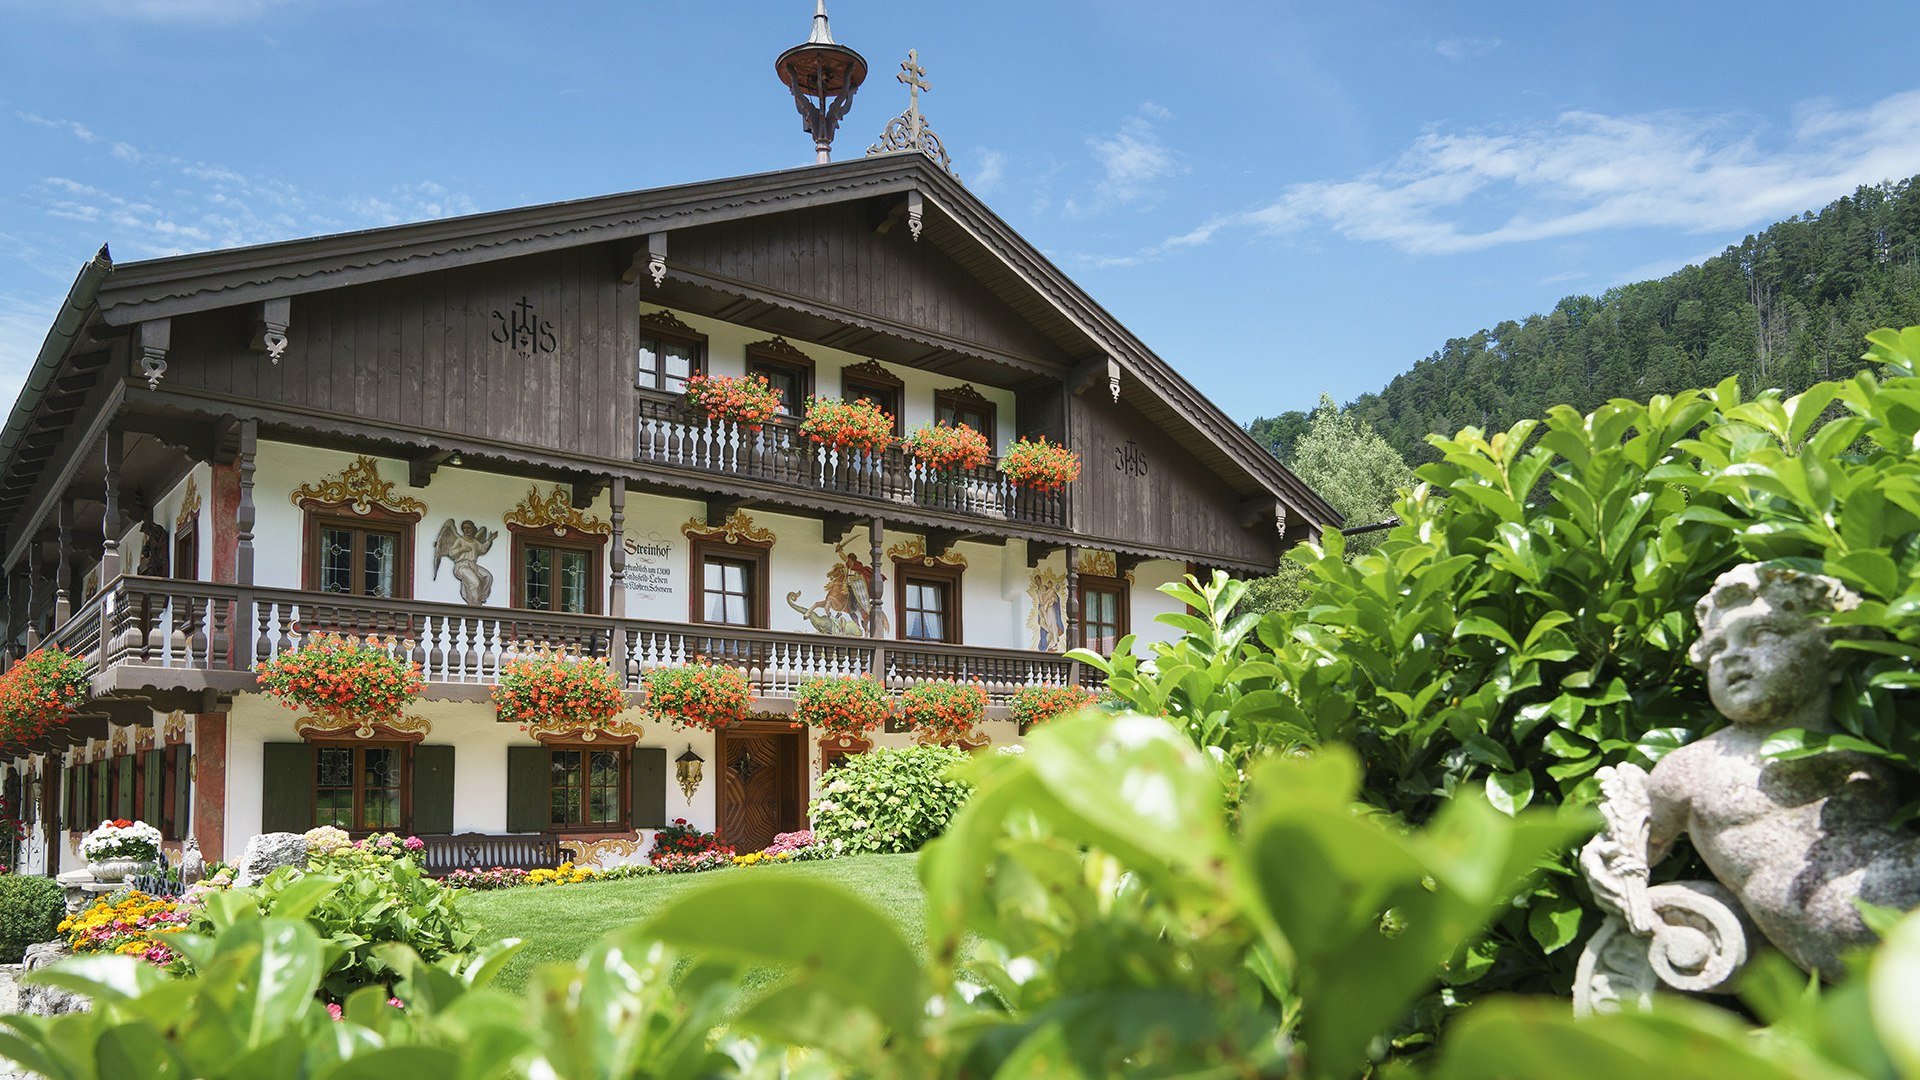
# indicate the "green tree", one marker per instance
pixel 1351 466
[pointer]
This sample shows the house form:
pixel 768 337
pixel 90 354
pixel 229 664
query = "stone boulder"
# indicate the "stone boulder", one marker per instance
pixel 46 1000
pixel 269 852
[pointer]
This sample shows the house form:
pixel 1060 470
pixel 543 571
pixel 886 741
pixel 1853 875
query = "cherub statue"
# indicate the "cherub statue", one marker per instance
pixel 464 546
pixel 1793 843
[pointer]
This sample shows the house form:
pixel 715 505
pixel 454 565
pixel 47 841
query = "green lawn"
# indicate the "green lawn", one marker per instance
pixel 560 923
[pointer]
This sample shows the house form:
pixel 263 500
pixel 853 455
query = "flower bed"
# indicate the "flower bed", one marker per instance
pixel 40 691
pixel 343 677
pixel 1039 464
pixel 949 446
pixel 944 711
pixel 1037 704
pixel 848 425
pixel 802 845
pixel 122 839
pixel 740 399
pixel 708 696
pixel 849 706
pixel 558 689
pixel 330 850
pixel 682 848
pixel 135 925
pixel 502 877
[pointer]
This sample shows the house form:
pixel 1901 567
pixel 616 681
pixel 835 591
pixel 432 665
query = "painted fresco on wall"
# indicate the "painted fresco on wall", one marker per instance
pixel 843 611
pixel 1047 614
pixel 464 545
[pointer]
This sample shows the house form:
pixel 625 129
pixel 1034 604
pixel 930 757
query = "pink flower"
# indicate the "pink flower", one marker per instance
pixel 333 1010
pixel 414 843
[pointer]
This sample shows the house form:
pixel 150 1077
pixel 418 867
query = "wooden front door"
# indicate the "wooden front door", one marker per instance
pixel 763 783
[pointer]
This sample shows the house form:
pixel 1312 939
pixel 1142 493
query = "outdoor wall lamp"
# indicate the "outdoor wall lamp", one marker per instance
pixel 687 769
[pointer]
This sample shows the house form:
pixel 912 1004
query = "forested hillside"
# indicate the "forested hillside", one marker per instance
pixel 1785 308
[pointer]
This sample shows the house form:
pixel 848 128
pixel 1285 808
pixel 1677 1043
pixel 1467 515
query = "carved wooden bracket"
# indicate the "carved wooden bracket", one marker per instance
pixel 666 320
pixel 916 213
pixel 723 509
pixel 155 338
pixel 420 470
pixel 1037 552
pixel 270 321
pixel 1087 375
pixel 1259 508
pixel 940 542
pixel 649 260
pixel 587 488
pixel 835 526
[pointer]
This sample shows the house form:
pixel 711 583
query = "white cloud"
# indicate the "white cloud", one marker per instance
pixel 1133 161
pixel 77 130
pixel 1466 48
pixel 992 169
pixel 1585 172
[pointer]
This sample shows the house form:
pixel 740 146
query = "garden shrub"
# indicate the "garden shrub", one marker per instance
pixel 31 909
pixel 683 848
pixel 888 800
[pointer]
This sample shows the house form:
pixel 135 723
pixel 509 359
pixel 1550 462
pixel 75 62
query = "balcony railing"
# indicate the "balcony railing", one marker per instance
pixel 779 454
pixel 165 633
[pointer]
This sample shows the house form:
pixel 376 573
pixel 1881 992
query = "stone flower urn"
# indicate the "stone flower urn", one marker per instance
pixel 115 869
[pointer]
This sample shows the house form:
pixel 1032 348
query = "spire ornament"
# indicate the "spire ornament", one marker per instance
pixel 909 130
pixel 823 75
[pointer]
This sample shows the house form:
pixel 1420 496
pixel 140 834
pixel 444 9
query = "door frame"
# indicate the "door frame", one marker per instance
pixel 794 761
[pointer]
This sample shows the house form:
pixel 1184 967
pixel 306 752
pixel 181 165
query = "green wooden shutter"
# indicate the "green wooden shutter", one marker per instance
pixel 649 770
pixel 150 789
pixel 182 791
pixel 432 789
pixel 286 791
pixel 101 802
pixel 70 806
pixel 123 788
pixel 528 768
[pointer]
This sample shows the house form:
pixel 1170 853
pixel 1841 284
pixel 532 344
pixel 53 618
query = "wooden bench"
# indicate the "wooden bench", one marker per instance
pixel 483 851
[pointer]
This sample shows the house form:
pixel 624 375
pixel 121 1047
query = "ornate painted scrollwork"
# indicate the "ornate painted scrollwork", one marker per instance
pixel 175 730
pixel 617 733
pixel 914 549
pixel 404 728
pixel 738 528
pixel 189 506
pixel 360 488
pixel 597 852
pixel 555 511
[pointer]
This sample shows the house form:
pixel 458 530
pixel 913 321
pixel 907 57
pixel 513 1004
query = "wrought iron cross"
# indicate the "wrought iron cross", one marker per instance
pixel 915 77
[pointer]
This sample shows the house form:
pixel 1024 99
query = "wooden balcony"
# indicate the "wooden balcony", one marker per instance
pixel 778 454
pixel 158 637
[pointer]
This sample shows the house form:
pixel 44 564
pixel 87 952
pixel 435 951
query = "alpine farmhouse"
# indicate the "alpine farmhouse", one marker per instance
pixel 470 437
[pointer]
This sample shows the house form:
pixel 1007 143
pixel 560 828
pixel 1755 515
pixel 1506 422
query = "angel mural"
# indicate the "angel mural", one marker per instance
pixel 844 611
pixel 464 546
pixel 1047 589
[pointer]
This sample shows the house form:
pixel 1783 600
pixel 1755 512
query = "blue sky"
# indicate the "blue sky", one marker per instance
pixel 1281 199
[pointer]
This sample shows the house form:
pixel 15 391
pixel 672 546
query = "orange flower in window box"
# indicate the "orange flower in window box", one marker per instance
pixel 1033 705
pixel 365 680
pixel 944 712
pixel 40 692
pixel 558 689
pixel 1039 464
pixel 700 695
pixel 848 425
pixel 842 707
pixel 949 446
pixel 739 399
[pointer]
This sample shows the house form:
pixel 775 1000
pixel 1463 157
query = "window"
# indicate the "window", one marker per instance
pixel 729 583
pixel 929 601
pixel 964 405
pixel 360 787
pixel 669 353
pixel 787 370
pixel 587 788
pixel 186 551
pixel 870 382
pixel 371 556
pixel 1103 613
pixel 556 576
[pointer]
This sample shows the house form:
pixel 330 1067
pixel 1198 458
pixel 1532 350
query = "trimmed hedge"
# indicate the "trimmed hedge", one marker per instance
pixel 30 912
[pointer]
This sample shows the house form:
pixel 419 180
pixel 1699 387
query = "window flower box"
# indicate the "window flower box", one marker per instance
pixel 707 696
pixel 1039 464
pixel 1032 705
pixel 945 712
pixel 343 678
pixel 738 399
pixel 556 690
pixel 949 446
pixel 842 708
pixel 40 692
pixel 848 425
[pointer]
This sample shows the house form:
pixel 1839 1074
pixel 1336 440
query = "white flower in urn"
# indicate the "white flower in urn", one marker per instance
pixel 122 839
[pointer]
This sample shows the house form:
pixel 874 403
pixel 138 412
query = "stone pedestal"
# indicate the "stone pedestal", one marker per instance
pixel 82 889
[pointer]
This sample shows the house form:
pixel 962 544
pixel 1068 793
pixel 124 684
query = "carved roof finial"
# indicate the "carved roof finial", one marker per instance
pixel 823 75
pixel 909 130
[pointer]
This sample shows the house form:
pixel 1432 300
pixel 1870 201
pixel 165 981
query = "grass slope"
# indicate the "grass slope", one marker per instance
pixel 559 924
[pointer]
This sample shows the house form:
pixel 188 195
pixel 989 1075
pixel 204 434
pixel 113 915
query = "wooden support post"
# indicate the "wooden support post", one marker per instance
pixel 1072 619
pixel 877 597
pixel 244 515
pixel 33 594
pixel 210 784
pixel 617 555
pixel 110 524
pixel 62 568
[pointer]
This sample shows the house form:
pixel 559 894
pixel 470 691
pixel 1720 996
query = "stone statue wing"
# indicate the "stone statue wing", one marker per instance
pixel 1615 862
pixel 444 545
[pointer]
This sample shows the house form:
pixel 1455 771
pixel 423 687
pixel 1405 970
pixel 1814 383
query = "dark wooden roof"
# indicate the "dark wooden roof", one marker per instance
pixel 958 224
